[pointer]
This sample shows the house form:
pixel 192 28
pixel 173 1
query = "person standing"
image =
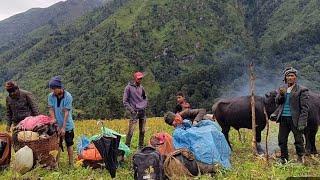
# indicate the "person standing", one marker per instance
pixel 19 104
pixel 60 109
pixel 292 114
pixel 135 101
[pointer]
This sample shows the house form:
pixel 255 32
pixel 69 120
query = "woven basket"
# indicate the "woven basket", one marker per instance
pixel 45 150
pixel 5 159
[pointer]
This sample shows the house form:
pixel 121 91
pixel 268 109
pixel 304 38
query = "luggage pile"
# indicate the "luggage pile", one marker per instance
pixel 102 150
pixel 160 160
pixel 41 136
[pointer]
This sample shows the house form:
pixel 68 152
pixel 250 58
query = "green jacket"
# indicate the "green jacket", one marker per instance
pixel 298 104
pixel 20 107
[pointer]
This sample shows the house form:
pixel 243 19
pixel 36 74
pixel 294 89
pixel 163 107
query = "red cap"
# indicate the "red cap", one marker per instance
pixel 138 75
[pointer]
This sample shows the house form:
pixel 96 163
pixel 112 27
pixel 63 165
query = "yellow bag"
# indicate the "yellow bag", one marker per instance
pixel 28 136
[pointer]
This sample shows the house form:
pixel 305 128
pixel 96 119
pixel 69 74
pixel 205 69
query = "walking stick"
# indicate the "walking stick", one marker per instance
pixel 253 110
pixel 267 135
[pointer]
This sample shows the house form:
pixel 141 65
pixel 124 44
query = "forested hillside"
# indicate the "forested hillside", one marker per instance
pixel 201 47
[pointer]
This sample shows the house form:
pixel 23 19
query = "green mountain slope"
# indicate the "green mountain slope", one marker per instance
pixel 200 47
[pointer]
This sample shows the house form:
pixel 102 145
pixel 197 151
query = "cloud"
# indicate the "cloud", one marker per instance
pixel 11 7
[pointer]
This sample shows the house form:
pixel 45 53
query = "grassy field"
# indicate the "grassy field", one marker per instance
pixel 245 165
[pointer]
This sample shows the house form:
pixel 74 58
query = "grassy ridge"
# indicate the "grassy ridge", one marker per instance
pixel 245 165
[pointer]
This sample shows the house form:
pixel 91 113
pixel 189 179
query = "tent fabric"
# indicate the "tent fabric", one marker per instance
pixel 108 149
pixel 84 141
pixel 205 140
pixel 111 133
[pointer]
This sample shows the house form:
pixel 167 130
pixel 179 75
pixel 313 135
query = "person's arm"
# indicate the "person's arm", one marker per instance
pixel 33 105
pixel 9 116
pixel 66 110
pixel 303 118
pixel 196 114
pixel 280 98
pixel 51 109
pixel 125 101
pixel 65 119
pixel 52 115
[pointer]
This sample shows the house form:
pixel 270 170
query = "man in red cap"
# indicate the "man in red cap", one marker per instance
pixel 135 101
pixel 20 104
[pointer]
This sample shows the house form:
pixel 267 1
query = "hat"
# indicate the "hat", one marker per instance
pixel 289 70
pixel 138 75
pixel 169 117
pixel 10 85
pixel 55 82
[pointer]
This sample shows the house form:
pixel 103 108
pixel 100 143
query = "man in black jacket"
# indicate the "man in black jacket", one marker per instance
pixel 19 103
pixel 292 114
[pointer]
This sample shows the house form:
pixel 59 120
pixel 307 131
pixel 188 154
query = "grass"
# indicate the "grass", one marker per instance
pixel 244 164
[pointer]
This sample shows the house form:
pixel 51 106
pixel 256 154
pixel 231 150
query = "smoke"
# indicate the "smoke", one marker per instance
pixel 265 81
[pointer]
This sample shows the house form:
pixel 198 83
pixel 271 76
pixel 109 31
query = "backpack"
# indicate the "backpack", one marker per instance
pixel 181 164
pixel 147 164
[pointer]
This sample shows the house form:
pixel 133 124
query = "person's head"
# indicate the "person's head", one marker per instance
pixel 12 88
pixel 172 119
pixel 56 86
pixel 290 76
pixel 180 97
pixel 138 77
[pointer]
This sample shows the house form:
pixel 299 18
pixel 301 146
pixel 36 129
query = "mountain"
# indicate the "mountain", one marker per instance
pixel 14 30
pixel 201 47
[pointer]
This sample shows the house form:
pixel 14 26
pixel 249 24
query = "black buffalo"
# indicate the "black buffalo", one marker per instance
pixel 236 112
pixel 313 122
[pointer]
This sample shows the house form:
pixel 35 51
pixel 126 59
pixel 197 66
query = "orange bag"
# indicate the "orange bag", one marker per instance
pixel 91 153
pixel 162 142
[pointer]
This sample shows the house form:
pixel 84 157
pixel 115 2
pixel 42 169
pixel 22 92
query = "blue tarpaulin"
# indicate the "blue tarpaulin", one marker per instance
pixel 205 140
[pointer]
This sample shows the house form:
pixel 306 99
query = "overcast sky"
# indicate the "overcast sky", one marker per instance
pixel 11 7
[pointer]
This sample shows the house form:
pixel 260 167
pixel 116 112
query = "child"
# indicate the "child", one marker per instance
pixel 182 103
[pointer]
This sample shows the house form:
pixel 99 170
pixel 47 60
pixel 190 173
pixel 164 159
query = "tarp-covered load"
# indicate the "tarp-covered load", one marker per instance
pixel 205 140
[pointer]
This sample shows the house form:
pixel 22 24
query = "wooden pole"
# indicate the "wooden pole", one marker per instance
pixel 253 110
pixel 267 135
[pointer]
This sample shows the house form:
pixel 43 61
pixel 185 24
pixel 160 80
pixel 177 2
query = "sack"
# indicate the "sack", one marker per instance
pixel 162 142
pixel 28 136
pixel 90 153
pixel 5 150
pixel 181 164
pixel 23 160
pixel 147 164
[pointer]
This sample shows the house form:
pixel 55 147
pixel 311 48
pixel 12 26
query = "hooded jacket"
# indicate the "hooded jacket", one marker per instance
pixel 134 97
